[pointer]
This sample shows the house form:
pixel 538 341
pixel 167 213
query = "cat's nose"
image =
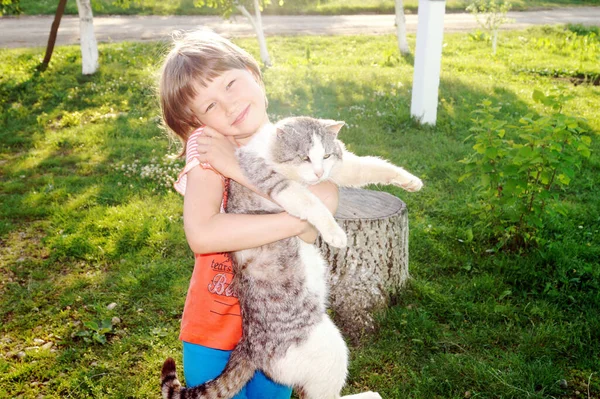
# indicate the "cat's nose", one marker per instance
pixel 319 172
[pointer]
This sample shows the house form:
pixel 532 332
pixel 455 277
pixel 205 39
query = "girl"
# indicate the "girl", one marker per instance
pixel 213 98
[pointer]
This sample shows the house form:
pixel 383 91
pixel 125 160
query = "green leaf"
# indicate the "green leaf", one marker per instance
pixel 587 140
pixel 101 339
pixel 545 177
pixel 584 151
pixel 491 152
pixel 505 294
pixel 463 177
pixel 469 234
pixel 480 148
pixel 525 152
pixel 538 96
pixel 564 179
pixel 92 325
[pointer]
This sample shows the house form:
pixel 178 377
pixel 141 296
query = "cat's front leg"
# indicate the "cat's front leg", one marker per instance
pixel 355 171
pixel 298 201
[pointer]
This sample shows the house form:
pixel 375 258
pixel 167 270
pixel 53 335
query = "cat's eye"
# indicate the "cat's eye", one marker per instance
pixel 326 156
pixel 306 159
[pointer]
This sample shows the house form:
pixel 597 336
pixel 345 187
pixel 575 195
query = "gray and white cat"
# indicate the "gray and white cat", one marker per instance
pixel 282 286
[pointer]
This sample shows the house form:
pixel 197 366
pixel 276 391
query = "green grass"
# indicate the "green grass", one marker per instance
pixel 318 7
pixel 80 228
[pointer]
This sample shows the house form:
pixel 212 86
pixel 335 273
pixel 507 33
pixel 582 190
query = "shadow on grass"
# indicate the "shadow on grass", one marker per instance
pixel 107 243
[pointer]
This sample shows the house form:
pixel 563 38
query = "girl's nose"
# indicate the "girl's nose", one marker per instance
pixel 231 109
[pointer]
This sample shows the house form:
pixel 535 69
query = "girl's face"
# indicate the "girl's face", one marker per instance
pixel 233 104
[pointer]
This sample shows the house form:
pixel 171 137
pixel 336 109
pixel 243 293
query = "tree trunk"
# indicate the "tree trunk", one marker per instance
pixel 260 35
pixel 367 274
pixel 401 28
pixel 60 10
pixel 89 46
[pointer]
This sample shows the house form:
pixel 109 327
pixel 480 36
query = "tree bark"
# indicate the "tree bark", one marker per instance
pixel 89 46
pixel 401 28
pixel 371 271
pixel 60 10
pixel 256 23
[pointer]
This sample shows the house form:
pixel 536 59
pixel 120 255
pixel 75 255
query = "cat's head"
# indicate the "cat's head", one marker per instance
pixel 306 149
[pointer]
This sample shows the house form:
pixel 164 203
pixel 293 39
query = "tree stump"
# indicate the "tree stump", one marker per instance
pixel 366 275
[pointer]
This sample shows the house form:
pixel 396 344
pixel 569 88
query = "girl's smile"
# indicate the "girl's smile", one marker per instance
pixel 241 116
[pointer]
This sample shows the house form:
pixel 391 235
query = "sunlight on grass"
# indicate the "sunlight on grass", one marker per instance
pixel 87 219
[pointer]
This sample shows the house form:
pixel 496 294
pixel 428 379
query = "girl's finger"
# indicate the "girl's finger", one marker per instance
pixel 203 140
pixel 210 132
pixel 203 149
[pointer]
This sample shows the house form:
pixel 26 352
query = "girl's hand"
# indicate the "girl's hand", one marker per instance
pixel 309 233
pixel 219 152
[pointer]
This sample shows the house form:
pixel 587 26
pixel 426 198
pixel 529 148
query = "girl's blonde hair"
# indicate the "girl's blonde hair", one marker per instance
pixel 196 58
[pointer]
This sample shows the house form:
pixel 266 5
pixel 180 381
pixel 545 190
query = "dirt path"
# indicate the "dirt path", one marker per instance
pixel 33 31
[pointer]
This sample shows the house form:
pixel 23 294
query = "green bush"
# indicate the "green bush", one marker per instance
pixel 10 7
pixel 520 169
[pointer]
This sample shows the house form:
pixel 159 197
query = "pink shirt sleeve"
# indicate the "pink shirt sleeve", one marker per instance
pixel 191 161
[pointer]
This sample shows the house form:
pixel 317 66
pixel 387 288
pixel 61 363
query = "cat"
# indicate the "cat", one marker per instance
pixel 282 286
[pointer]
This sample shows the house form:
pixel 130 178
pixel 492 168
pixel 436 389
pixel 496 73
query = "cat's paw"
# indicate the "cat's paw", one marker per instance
pixel 364 395
pixel 334 235
pixel 408 182
pixel 371 395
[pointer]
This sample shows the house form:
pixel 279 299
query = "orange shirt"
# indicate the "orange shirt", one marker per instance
pixel 211 315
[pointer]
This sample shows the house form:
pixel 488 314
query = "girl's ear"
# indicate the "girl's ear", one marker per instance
pixel 332 126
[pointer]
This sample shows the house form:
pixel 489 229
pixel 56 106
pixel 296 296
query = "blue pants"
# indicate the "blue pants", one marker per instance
pixel 201 364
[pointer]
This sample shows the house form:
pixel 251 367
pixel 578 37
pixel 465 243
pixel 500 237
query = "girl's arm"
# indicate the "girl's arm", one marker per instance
pixel 207 230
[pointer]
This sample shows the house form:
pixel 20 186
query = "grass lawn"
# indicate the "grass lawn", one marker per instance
pixel 93 259
pixel 326 7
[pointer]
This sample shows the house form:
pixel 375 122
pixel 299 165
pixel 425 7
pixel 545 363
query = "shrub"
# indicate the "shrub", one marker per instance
pixel 490 15
pixel 519 169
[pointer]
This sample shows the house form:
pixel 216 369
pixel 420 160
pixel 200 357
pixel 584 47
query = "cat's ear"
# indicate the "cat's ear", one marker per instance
pixel 280 132
pixel 333 126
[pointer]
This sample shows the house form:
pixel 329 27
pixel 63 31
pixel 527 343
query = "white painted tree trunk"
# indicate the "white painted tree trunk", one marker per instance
pixel 401 28
pixel 256 22
pixel 89 46
pixel 428 60
pixel 494 41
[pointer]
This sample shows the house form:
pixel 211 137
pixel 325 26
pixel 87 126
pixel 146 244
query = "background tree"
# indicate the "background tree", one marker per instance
pixel 89 46
pixel 227 7
pixel 60 10
pixel 490 15
pixel 401 28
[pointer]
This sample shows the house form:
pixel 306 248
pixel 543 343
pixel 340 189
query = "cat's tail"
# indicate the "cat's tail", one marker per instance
pixel 237 373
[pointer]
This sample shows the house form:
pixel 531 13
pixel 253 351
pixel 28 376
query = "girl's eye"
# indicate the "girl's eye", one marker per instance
pixel 326 156
pixel 230 84
pixel 211 106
